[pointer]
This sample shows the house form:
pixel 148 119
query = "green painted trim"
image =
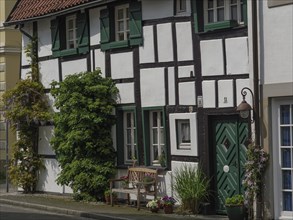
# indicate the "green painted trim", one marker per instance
pixel 245 12
pixel 195 15
pixel 115 45
pixel 68 52
pixel 220 25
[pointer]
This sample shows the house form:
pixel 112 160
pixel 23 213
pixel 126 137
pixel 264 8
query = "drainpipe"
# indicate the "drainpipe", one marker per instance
pixel 254 17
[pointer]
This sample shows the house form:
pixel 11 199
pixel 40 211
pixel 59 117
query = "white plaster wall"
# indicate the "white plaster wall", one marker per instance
pixel 51 102
pixel 276 43
pixel 45 135
pixel 146 52
pixel 126 92
pixel 48 176
pixel 122 65
pixel 72 67
pixel 48 72
pixel 152 84
pixel 193 151
pixel 187 93
pixel 24 41
pixel 184 41
pixel 237 55
pixel 154 9
pixel 94 15
pixel 225 91
pixel 24 73
pixel 44 38
pixel 171 85
pixel 165 43
pixel 240 84
pixel 184 71
pixel 100 61
pixel 209 94
pixel 67 189
pixel 212 58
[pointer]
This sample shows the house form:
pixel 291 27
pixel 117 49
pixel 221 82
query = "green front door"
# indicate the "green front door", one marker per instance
pixel 230 137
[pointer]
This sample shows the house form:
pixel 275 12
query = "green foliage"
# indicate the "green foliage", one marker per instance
pixel 191 187
pixel 25 106
pixel 82 135
pixel 235 200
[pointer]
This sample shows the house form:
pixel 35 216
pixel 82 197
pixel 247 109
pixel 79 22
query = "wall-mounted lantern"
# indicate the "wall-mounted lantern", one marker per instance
pixel 244 108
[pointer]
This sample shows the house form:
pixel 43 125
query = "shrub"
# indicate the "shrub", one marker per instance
pixel 82 135
pixel 191 187
pixel 235 200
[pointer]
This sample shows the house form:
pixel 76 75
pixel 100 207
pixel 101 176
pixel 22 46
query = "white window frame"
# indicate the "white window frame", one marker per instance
pixel 74 30
pixel 125 21
pixel 277 166
pixel 180 144
pixel 132 143
pixel 160 138
pixel 193 149
pixel 227 11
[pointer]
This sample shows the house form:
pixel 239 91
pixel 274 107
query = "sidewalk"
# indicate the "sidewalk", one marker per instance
pixel 66 205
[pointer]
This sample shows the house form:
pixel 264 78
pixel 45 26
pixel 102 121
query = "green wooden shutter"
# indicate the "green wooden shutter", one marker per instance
pixel 104 28
pixel 82 33
pixel 195 15
pixel 135 24
pixel 245 11
pixel 56 46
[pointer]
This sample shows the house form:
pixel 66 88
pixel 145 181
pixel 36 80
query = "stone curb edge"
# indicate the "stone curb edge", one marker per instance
pixel 53 209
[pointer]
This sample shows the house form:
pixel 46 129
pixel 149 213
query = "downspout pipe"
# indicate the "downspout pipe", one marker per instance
pixel 255 54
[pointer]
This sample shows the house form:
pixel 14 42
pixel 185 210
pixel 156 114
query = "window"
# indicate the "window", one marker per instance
pixel 2 144
pixel 282 146
pixel 181 6
pixel 70 35
pixel 121 26
pixel 183 133
pixel 2 86
pixel 220 14
pixel 71 38
pixel 122 22
pixel 157 137
pixel 129 136
pixel 2 126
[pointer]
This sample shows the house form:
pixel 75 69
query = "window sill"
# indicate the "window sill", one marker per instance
pixel 220 25
pixel 115 45
pixel 66 52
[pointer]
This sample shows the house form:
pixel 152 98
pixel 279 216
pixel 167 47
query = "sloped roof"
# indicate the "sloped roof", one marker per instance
pixel 30 9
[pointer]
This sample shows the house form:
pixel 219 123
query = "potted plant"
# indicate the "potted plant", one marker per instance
pixel 235 207
pixel 168 203
pixel 153 205
pixel 107 196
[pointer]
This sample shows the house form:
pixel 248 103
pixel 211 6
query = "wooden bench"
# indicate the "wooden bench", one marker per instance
pixel 137 186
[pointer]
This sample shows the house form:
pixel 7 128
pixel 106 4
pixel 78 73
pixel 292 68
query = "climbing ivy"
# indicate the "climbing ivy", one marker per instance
pixel 26 106
pixel 82 135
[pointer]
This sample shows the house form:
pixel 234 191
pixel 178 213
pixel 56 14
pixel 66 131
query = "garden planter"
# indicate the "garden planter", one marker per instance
pixel 168 209
pixel 235 212
pixel 155 209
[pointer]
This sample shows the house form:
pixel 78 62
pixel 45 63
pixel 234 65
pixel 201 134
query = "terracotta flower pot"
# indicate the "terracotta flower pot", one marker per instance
pixel 168 209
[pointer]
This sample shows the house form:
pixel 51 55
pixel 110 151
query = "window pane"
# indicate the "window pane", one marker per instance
pixel 287 201
pixel 70 35
pixel 185 131
pixel 128 119
pixel 287 183
pixel 285 114
pixel 128 136
pixel 70 24
pixel 220 3
pixel 210 3
pixel 241 13
pixel 286 158
pixel 155 136
pixel 182 5
pixel 162 138
pixel 233 1
pixel 210 16
pixel 161 118
pixel 120 36
pixel 127 13
pixel 234 12
pixel 155 150
pixel 291 114
pixel 285 136
pixel 129 152
pixel 120 14
pixel 220 14
pixel 155 124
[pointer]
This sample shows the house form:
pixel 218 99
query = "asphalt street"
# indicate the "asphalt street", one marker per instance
pixel 8 212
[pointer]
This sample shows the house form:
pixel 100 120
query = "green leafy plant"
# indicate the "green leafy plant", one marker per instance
pixel 191 187
pixel 235 200
pixel 25 106
pixel 82 135
pixel 155 203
